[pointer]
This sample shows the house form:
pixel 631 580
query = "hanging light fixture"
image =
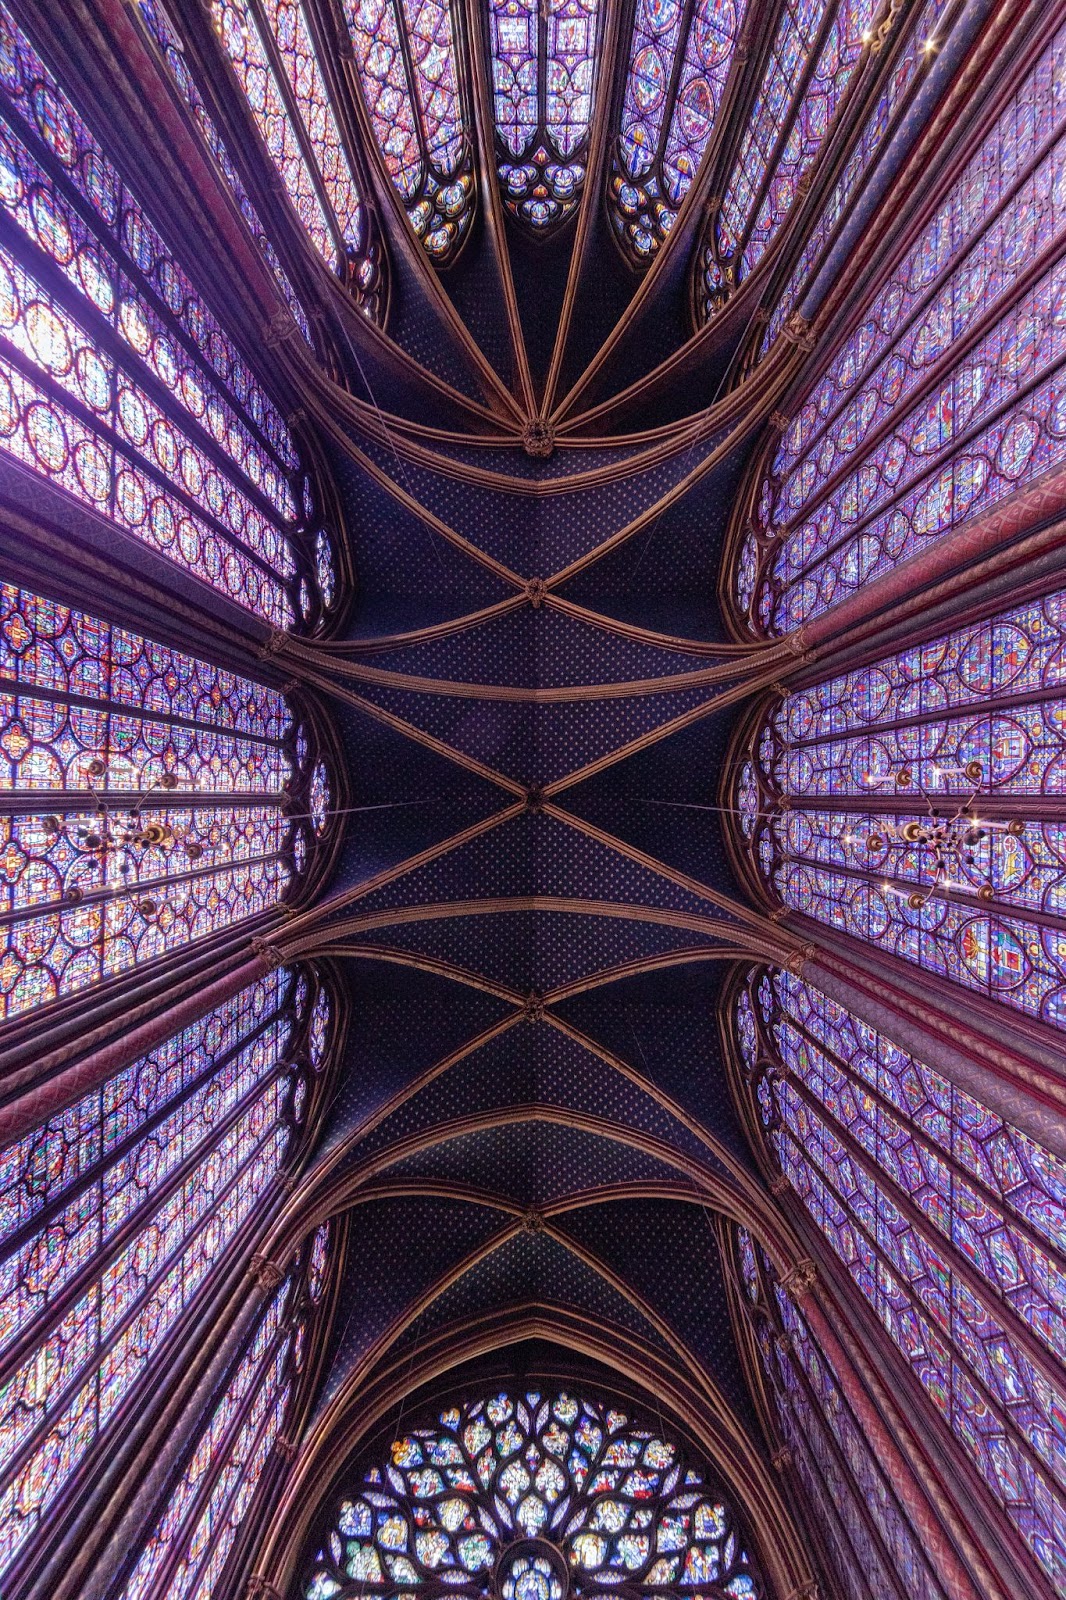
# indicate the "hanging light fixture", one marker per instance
pixel 125 835
pixel 946 839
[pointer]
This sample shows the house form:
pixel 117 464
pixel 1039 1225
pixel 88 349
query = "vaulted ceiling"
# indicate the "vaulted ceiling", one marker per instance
pixel 536 451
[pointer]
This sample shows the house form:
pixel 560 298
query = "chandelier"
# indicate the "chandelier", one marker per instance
pixel 122 838
pixel 946 838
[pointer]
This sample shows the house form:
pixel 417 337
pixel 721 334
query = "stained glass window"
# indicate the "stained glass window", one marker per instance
pixel 680 54
pixel 187 1551
pixel 867 1532
pixel 160 28
pixel 951 1224
pixel 143 799
pixel 923 37
pixel 405 53
pixel 542 76
pixel 272 49
pixel 914 820
pixel 789 122
pixel 947 396
pixel 577 1494
pixel 113 1215
pixel 117 383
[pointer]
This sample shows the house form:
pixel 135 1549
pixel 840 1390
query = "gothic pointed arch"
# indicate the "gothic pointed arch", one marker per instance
pixel 532 957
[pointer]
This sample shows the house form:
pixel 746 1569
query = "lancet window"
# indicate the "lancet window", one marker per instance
pixel 115 1216
pixel 813 57
pixel 143 799
pixel 875 1550
pixel 407 62
pixel 945 399
pixel 922 40
pixel 160 29
pixel 680 53
pixel 570 1493
pixel 117 383
pixel 543 66
pixel 273 52
pixel 187 1551
pixel 906 804
pixel 949 1221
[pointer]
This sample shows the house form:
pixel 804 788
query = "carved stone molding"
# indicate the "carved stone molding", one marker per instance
pixel 799 1280
pixel 267 1273
pixel 538 438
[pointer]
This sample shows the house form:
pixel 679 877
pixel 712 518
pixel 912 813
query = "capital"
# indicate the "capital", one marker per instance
pixel 267 1273
pixel 282 326
pixel 799 1280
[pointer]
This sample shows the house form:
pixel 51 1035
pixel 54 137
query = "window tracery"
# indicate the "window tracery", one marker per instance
pixel 272 50
pixel 945 399
pixel 113 1217
pixel 949 1221
pixel 145 799
pixel 930 22
pixel 117 383
pixel 187 1552
pixel 574 1491
pixel 406 56
pixel 543 68
pixel 160 28
pixel 875 1547
pixel 680 56
pixel 838 806
pixel 790 121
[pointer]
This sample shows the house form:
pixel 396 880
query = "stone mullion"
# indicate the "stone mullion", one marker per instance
pixel 299 127
pixel 1038 1354
pixel 162 1581
pixel 43 1218
pixel 1039 1467
pixel 950 711
pixel 115 1517
pixel 189 1331
pixel 38 263
pixel 1033 808
pixel 795 103
pixel 949 360
pixel 914 1451
pixel 40 1329
pixel 783 1402
pixel 103 428
pixel 929 468
pixel 910 1126
pixel 957 896
pixel 33 1050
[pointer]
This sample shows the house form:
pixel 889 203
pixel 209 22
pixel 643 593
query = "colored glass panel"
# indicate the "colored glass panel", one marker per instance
pixel 618 1501
pixel 94 719
pixel 877 1548
pixel 187 1551
pixel 406 58
pixel 679 59
pixel 967 726
pixel 542 77
pixel 949 1221
pixel 113 1215
pixel 162 31
pixel 946 399
pixel 790 121
pixel 272 52
pixel 931 21
pixel 123 389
